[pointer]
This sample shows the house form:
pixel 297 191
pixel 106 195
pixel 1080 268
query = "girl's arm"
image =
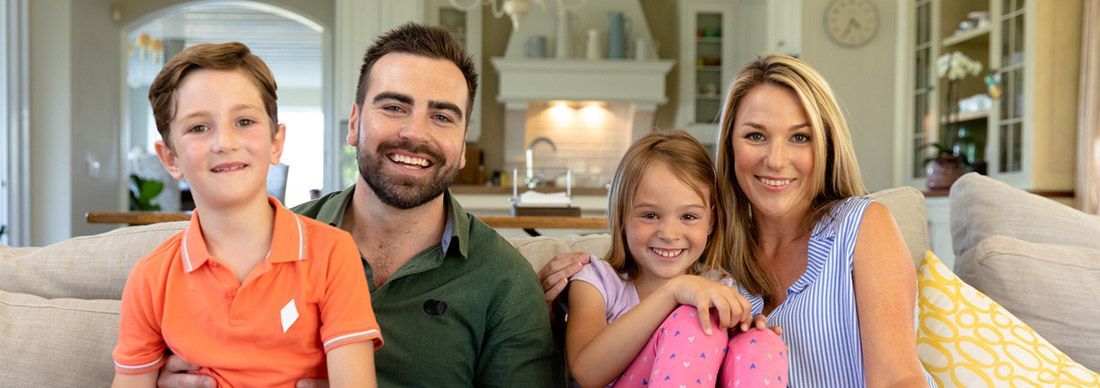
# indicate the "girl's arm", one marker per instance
pixel 598 352
pixel 885 291
pixel 143 380
pixel 352 365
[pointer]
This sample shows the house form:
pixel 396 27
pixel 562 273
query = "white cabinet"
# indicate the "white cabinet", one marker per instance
pixel 707 64
pixel 938 210
pixel 465 26
pixel 1033 46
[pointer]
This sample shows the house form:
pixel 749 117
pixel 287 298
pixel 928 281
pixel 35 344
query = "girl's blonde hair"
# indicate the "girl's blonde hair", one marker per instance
pixel 835 174
pixel 684 154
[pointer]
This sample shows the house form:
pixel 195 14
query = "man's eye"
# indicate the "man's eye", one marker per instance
pixel 442 118
pixel 393 108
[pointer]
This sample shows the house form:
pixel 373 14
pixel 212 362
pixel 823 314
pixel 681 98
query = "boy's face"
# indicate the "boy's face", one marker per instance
pixel 410 131
pixel 221 138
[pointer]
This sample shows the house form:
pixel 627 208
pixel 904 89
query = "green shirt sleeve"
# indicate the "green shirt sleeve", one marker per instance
pixel 519 350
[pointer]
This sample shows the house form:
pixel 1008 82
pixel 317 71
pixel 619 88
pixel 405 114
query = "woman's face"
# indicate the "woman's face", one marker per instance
pixel 773 157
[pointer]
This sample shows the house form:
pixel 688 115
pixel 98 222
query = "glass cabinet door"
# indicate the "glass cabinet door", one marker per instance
pixel 1010 125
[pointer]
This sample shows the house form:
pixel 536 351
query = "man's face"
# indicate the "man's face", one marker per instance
pixel 410 132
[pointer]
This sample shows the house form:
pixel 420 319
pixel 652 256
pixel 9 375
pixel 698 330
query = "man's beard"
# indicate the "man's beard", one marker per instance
pixel 404 192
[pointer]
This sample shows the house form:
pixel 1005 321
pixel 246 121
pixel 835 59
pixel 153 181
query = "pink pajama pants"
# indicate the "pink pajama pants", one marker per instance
pixel 680 355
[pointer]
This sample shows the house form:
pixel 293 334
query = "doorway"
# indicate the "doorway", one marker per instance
pixel 291 45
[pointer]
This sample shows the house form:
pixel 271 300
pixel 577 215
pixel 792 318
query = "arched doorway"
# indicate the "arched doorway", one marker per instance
pixel 290 44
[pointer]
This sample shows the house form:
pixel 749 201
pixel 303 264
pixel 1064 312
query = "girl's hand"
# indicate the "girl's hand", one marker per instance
pixel 761 323
pixel 704 294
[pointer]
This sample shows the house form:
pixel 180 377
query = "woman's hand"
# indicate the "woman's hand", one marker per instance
pixel 705 294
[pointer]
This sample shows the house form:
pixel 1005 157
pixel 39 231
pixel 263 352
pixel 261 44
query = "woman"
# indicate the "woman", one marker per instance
pixel 823 262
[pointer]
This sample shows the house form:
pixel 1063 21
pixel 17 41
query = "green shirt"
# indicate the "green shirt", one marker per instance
pixel 466 312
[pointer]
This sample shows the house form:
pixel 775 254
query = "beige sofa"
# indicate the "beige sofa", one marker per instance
pixel 59 303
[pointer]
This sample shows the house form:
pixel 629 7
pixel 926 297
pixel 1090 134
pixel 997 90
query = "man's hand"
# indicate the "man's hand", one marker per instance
pixel 175 374
pixel 311 383
pixel 554 276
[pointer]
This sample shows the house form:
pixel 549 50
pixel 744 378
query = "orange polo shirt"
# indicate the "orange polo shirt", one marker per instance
pixel 307 297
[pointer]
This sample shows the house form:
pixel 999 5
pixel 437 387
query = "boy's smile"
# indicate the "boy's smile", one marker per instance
pixel 221 138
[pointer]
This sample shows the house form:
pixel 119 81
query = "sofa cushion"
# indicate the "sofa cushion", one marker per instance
pixel 907 206
pixel 56 342
pixel 1051 287
pixel 965 339
pixel 539 250
pixel 89 267
pixel 983 207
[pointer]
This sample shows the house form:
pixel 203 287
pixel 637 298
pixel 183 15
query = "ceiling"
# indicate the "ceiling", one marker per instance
pixel 291 48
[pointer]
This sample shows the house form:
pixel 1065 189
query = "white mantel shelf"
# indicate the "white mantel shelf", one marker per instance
pixel 524 80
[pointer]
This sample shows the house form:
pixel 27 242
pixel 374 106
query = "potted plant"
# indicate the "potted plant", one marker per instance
pixel 948 161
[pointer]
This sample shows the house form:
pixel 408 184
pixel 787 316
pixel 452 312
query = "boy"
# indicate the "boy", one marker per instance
pixel 256 294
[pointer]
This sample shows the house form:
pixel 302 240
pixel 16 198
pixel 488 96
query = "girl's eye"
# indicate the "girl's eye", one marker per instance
pixel 690 217
pixel 649 216
pixel 800 138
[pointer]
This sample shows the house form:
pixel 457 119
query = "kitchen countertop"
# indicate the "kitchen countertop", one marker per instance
pixel 507 190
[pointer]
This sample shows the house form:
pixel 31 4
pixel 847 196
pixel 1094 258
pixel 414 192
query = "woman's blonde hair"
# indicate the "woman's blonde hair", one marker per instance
pixel 835 174
pixel 683 154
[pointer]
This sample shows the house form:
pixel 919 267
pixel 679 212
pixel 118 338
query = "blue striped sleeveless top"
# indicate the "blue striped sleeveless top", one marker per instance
pixel 819 319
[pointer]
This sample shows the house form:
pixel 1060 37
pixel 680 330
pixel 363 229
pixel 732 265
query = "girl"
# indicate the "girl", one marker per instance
pixel 624 324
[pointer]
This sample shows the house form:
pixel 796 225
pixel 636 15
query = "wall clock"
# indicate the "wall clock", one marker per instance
pixel 851 23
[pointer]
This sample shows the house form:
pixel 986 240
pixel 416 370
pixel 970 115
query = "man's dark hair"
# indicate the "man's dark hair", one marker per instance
pixel 422 40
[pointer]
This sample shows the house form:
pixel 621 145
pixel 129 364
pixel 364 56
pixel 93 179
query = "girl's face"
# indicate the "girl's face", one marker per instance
pixel 773 156
pixel 668 224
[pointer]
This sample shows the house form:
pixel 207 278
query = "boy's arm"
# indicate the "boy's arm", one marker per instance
pixel 148 379
pixel 352 365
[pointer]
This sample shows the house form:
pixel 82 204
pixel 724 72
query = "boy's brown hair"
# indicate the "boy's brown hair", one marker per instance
pixel 223 56
pixel 426 41
pixel 682 153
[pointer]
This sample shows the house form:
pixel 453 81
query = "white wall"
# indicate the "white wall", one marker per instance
pixel 50 120
pixel 863 80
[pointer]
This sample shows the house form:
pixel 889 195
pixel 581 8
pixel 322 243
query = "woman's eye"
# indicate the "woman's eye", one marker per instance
pixel 755 136
pixel 800 138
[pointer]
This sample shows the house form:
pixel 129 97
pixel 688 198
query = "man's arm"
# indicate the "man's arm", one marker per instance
pixel 176 374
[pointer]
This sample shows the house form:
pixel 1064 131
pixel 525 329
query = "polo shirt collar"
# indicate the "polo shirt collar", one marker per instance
pixel 288 239
pixel 457 224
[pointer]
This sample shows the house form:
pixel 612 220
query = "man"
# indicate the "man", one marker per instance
pixel 458 305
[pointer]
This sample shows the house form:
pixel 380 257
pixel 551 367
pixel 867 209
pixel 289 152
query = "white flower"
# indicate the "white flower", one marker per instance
pixel 956 66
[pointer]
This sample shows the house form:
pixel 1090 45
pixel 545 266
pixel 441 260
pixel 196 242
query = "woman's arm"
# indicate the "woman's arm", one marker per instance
pixel 352 365
pixel 598 352
pixel 885 291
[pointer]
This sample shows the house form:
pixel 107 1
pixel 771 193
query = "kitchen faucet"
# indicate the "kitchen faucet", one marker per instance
pixel 531 180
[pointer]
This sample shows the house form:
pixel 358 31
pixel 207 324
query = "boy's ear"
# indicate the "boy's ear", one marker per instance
pixel 168 159
pixel 277 142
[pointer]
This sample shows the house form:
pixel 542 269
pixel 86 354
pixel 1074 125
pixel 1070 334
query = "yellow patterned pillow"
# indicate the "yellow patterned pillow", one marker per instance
pixel 966 339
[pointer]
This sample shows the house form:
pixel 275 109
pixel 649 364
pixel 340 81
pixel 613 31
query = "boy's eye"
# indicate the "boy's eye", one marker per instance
pixel 800 138
pixel 245 122
pixel 198 128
